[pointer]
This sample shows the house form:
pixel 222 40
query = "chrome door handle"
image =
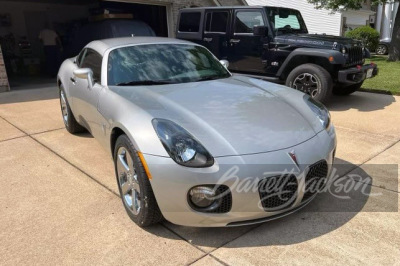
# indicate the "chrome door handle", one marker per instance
pixel 234 41
pixel 207 39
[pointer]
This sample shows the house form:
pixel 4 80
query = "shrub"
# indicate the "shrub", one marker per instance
pixel 366 34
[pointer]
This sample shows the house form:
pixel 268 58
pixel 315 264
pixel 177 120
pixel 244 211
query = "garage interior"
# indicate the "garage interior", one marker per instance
pixel 21 23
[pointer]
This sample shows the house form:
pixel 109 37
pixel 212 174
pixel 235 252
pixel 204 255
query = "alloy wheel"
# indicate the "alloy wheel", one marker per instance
pixel 64 107
pixel 128 181
pixel 307 83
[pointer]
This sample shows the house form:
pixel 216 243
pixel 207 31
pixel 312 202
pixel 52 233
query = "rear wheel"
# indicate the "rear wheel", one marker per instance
pixel 134 186
pixel 311 79
pixel 382 49
pixel 341 90
pixel 70 122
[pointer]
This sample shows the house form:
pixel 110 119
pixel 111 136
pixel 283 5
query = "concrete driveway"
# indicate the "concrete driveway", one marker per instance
pixel 59 200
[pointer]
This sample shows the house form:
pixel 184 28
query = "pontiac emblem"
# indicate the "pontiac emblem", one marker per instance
pixel 292 155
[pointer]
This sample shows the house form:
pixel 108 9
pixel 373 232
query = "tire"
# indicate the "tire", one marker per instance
pixel 134 186
pixel 313 80
pixel 341 90
pixel 382 49
pixel 70 122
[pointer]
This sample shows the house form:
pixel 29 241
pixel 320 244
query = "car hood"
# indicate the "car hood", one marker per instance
pixel 228 116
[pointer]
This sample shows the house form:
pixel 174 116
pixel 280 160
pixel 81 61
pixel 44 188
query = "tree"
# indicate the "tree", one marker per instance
pixel 335 5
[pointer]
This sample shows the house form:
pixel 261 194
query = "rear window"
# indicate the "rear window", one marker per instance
pixel 190 22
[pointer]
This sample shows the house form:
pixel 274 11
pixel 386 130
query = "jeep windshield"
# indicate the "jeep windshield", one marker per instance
pixel 162 63
pixel 286 21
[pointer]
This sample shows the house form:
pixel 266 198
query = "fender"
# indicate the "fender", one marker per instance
pixel 338 58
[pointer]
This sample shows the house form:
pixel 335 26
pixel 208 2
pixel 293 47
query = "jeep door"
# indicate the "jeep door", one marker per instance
pixel 246 50
pixel 215 36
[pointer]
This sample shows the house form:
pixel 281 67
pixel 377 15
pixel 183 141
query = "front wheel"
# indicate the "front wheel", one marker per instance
pixel 70 122
pixel 133 184
pixel 311 79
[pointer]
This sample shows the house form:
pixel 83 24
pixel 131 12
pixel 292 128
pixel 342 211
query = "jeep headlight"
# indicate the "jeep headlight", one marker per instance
pixel 320 111
pixel 181 146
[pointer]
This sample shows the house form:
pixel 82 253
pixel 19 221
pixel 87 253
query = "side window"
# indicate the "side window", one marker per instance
pixel 189 22
pixel 246 20
pixel 93 61
pixel 217 21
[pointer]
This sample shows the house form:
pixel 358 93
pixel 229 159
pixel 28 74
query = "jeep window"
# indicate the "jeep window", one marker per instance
pixel 217 21
pixel 284 21
pixel 246 20
pixel 190 22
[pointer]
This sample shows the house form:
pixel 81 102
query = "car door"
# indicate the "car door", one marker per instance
pixel 246 50
pixel 215 36
pixel 85 98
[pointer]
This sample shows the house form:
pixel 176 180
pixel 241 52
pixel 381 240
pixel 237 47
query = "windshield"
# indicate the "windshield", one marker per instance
pixel 284 20
pixel 153 64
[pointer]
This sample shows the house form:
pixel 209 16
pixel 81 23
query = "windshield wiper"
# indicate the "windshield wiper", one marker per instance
pixel 211 78
pixel 144 82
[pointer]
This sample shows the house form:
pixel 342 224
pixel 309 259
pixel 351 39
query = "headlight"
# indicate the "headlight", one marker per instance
pixel 182 147
pixel 320 110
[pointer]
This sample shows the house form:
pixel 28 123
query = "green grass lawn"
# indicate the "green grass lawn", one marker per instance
pixel 388 78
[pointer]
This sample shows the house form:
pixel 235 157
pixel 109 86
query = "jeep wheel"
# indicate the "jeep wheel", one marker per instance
pixel 341 90
pixel 311 79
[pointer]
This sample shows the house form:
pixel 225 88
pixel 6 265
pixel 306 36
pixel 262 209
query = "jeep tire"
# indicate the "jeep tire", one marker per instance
pixel 313 80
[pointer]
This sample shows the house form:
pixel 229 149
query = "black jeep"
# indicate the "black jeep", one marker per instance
pixel 274 44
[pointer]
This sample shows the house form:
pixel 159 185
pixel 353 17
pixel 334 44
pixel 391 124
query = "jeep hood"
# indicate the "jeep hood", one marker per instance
pixel 315 40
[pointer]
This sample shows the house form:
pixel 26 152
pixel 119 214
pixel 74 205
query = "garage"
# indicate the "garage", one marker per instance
pixel 31 59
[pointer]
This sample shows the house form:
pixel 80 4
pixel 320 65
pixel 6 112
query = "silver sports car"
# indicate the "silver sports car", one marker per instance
pixel 192 143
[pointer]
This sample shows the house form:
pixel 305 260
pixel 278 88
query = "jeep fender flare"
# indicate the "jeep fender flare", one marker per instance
pixel 338 58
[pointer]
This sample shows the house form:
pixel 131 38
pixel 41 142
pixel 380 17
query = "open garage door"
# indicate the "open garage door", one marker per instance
pixel 75 23
pixel 154 15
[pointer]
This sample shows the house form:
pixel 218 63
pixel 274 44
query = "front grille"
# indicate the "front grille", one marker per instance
pixel 316 179
pixel 355 56
pixel 278 192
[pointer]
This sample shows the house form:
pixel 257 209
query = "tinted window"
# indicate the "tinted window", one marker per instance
pixel 93 61
pixel 217 21
pixel 171 63
pixel 246 20
pixel 189 22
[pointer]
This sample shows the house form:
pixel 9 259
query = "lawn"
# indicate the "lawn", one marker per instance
pixel 388 78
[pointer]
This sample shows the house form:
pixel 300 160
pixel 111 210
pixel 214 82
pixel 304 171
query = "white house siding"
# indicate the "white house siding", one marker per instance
pixel 355 18
pixel 317 20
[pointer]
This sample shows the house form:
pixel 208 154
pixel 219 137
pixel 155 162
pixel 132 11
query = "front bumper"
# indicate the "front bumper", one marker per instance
pixel 172 182
pixel 356 75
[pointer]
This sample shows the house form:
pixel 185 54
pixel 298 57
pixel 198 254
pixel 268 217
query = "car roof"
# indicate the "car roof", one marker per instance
pixel 232 7
pixel 101 46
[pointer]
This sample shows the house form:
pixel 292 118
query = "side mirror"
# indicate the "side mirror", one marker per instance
pixel 225 63
pixel 260 31
pixel 85 73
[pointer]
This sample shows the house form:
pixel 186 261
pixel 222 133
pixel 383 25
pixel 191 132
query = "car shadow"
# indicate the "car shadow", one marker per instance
pixel 326 213
pixel 362 101
pixel 29 95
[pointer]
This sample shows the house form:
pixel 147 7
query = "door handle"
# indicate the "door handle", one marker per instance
pixel 207 39
pixel 72 79
pixel 234 41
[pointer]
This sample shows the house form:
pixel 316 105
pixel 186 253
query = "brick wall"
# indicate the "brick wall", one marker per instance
pixel 3 75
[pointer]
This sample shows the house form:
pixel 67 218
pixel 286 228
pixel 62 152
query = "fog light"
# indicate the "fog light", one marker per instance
pixel 202 197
